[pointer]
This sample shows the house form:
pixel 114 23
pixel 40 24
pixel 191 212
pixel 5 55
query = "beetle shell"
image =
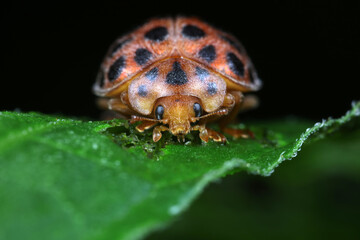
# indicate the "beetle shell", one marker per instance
pixel 144 91
pixel 193 41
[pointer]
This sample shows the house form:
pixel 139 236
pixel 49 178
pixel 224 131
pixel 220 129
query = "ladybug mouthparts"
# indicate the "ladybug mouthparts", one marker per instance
pixel 182 128
pixel 177 111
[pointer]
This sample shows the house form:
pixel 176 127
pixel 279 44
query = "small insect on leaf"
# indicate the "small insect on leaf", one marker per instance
pixel 182 80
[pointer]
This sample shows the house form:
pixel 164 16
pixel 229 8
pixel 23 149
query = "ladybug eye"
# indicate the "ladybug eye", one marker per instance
pixel 197 109
pixel 159 112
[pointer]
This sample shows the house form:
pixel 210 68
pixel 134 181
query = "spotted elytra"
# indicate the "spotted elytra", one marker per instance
pixel 177 75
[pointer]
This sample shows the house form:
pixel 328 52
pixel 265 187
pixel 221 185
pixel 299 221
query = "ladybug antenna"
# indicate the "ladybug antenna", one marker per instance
pixel 135 118
pixel 219 112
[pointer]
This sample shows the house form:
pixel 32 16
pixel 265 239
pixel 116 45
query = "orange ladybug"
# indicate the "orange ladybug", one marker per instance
pixel 179 74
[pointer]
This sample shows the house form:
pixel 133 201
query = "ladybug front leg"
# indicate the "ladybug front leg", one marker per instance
pixel 206 133
pixel 216 136
pixel 157 132
pixel 145 125
pixel 236 102
pixel 203 133
pixel 117 105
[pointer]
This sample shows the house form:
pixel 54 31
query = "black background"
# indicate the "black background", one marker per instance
pixel 306 52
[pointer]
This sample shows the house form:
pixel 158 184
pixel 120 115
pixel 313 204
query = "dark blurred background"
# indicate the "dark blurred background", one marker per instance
pixel 306 52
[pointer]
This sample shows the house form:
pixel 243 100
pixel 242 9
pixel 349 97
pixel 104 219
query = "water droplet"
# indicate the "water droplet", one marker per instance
pixel 187 143
pixel 174 210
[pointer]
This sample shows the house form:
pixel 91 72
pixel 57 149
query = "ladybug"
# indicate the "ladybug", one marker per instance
pixel 179 74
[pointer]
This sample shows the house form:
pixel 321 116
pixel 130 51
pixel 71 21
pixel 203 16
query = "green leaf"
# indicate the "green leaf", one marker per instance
pixel 62 178
pixel 314 197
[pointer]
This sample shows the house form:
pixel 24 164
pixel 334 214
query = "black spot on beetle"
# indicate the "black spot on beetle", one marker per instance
pixel 152 74
pixel 234 43
pixel 176 76
pixel 119 45
pixel 208 53
pixel 201 73
pixel 192 32
pixel 212 88
pixel 142 91
pixel 142 56
pixel 157 34
pixel 235 64
pixel 116 69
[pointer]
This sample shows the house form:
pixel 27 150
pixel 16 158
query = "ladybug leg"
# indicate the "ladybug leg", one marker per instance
pixel 157 132
pixel 124 97
pixel 232 102
pixel 216 136
pixel 145 125
pixel 102 103
pixel 237 103
pixel 115 108
pixel 206 133
pixel 238 133
pixel 118 105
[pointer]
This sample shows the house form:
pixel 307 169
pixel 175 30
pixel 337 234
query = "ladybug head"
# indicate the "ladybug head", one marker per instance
pixel 178 111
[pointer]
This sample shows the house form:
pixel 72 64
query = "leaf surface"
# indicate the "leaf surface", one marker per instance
pixel 64 178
